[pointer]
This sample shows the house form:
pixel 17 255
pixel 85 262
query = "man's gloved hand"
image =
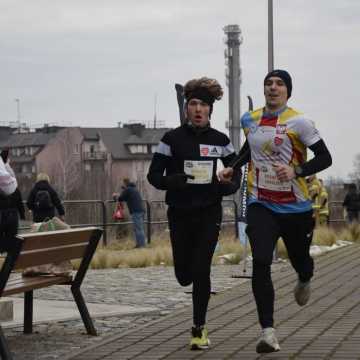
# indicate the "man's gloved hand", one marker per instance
pixel 177 181
pixel 231 185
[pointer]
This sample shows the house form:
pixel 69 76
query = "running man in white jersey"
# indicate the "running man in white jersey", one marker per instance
pixel 277 138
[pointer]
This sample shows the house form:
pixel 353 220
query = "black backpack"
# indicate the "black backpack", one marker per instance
pixel 43 200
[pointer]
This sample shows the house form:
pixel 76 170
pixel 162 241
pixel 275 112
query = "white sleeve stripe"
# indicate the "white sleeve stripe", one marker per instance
pixel 313 140
pixel 228 149
pixel 163 149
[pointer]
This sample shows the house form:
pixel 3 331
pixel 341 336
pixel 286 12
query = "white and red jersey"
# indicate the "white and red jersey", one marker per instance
pixel 281 137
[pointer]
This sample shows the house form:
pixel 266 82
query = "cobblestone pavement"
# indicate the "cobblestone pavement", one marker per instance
pixel 154 287
pixel 327 328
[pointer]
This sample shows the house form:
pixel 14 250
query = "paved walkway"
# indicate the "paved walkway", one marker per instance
pixel 117 300
pixel 327 328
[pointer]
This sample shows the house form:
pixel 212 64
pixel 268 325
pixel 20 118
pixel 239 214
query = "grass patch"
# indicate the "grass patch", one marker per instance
pixel 228 244
pixel 324 235
pixel 119 254
pixel 122 254
pixel 350 233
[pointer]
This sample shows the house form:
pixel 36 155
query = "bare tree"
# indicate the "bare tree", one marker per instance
pixel 66 166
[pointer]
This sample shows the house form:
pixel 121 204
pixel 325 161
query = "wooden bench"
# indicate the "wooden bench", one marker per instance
pixel 41 248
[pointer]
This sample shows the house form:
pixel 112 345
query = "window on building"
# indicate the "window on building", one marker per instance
pixel 24 168
pixel 33 169
pixel 138 149
pixel 153 148
pixel 77 149
pixel 34 149
pixel 87 167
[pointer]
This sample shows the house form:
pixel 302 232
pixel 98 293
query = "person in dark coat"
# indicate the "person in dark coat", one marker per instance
pixel 351 204
pixel 10 203
pixel 132 197
pixel 43 200
pixel 16 202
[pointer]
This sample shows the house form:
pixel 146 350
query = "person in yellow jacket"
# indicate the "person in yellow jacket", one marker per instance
pixel 323 198
pixel 314 188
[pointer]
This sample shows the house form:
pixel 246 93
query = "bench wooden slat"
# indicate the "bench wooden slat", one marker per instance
pixel 56 238
pixel 15 278
pixel 24 284
pixel 47 256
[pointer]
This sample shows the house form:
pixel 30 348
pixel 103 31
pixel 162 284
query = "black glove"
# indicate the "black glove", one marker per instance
pixel 228 188
pixel 233 186
pixel 177 181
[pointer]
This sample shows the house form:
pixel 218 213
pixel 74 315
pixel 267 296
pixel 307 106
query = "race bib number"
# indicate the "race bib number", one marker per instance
pixel 268 180
pixel 202 171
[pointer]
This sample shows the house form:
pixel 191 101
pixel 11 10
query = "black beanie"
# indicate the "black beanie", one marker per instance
pixel 284 76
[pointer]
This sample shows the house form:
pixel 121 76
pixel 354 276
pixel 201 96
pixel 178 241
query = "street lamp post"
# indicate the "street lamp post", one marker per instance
pixel 270 36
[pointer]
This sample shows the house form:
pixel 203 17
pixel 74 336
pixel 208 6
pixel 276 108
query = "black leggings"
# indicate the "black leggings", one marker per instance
pixel 264 229
pixel 194 234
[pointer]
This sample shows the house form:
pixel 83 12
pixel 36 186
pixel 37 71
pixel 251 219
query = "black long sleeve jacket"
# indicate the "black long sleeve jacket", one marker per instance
pixel 188 146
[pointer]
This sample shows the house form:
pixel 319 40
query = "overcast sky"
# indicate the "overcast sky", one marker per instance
pixel 96 63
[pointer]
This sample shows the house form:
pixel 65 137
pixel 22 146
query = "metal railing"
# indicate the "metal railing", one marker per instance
pixel 332 209
pixel 105 210
pixel 104 220
pixel 94 155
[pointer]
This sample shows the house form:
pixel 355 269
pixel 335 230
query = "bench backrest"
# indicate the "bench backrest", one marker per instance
pixel 54 246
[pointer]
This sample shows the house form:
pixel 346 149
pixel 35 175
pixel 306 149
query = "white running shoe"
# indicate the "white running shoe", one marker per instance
pixel 268 342
pixel 302 292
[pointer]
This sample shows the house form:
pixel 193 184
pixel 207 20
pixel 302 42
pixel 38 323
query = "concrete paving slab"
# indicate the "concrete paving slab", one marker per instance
pixel 54 310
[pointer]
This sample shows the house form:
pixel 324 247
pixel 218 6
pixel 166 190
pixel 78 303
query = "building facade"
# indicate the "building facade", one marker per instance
pixel 84 163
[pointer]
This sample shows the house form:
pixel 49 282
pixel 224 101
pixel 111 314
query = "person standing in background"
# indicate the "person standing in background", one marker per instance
pixel 9 202
pixel 323 204
pixel 351 205
pixel 43 200
pixel 314 188
pixel 132 197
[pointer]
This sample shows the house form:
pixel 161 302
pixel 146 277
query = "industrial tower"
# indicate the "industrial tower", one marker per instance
pixel 233 80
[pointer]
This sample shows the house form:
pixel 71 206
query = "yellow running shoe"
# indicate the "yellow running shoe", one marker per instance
pixel 199 338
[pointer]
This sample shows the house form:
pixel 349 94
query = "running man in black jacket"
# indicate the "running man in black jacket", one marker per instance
pixel 185 165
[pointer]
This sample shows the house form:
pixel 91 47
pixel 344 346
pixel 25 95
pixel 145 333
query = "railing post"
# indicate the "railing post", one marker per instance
pixel 148 224
pixel 236 219
pixel 104 222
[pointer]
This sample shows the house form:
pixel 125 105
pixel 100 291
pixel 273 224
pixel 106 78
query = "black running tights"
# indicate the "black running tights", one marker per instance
pixel 264 229
pixel 194 234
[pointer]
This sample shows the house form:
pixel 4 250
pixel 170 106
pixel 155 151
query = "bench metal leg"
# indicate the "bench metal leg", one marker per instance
pixel 28 312
pixel 80 302
pixel 4 349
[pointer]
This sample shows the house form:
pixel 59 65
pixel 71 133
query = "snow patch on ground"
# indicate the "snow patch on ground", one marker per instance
pixel 316 250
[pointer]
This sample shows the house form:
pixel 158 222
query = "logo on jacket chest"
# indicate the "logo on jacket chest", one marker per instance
pixel 278 140
pixel 210 150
